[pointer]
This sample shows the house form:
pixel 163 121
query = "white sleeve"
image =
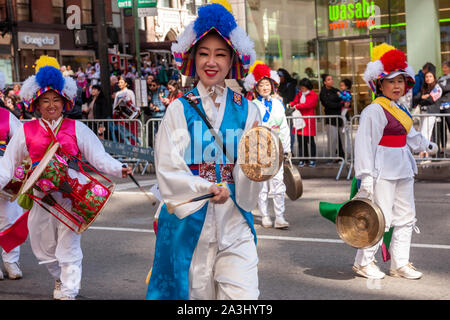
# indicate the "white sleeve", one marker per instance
pixel 416 141
pixel 15 153
pixel 93 151
pixel 247 191
pixel 285 133
pixel 175 180
pixel 14 124
pixel 370 131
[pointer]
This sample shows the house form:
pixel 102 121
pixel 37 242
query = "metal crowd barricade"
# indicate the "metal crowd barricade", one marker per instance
pixel 151 128
pixel 331 142
pixel 121 131
pixel 434 127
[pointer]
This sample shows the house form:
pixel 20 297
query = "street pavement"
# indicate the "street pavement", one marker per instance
pixel 306 262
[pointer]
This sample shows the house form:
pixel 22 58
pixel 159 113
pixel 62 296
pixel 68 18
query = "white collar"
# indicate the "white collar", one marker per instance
pixel 52 124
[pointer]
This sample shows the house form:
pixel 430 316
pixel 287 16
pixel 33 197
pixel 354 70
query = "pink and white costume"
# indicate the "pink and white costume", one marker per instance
pixel 52 242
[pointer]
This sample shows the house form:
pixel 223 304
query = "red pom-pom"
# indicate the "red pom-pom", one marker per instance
pixel 261 71
pixel 394 60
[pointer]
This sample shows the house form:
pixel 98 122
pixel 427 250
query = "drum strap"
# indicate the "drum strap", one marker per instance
pixel 53 137
pixel 217 139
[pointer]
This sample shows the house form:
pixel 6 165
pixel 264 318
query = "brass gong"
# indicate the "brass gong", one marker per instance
pixel 260 154
pixel 360 223
pixel 293 181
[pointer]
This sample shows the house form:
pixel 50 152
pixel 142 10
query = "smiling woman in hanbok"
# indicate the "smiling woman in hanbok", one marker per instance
pixel 384 163
pixel 207 249
pixel 53 243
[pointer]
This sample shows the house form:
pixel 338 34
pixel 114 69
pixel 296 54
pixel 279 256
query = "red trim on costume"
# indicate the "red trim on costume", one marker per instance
pixel 393 141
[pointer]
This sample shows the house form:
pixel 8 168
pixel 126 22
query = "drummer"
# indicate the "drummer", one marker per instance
pixel 264 82
pixel 213 255
pixel 384 163
pixel 9 211
pixel 54 244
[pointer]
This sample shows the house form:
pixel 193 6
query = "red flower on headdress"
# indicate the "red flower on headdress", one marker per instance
pixel 261 71
pixel 394 60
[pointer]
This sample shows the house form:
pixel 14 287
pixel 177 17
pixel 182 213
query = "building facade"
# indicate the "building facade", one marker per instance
pixel 67 30
pixel 313 37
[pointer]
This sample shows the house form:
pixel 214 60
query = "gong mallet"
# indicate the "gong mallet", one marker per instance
pixel 141 189
pixel 171 207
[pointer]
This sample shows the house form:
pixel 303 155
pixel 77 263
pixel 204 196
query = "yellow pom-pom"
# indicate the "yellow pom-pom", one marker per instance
pixel 46 61
pixel 257 62
pixel 380 50
pixel 224 3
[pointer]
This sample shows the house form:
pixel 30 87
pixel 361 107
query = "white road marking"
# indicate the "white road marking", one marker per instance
pixel 280 238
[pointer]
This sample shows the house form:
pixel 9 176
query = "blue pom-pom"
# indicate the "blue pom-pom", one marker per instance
pixel 49 76
pixel 214 15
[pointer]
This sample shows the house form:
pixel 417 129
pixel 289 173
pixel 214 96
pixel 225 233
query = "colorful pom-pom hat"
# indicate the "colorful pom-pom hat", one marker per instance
pixel 259 71
pixel 387 63
pixel 215 16
pixel 48 77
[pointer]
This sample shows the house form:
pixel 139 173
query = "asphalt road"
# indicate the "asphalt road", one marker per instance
pixel 306 262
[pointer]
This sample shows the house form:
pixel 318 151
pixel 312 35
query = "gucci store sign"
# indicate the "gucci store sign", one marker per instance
pixel 29 40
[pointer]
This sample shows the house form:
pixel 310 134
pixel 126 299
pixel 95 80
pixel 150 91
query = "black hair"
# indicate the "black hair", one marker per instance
pixel 348 83
pixel 429 67
pixel 305 82
pixel 324 76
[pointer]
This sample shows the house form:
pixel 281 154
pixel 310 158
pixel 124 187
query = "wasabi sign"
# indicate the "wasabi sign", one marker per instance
pixel 352 14
pixel 124 4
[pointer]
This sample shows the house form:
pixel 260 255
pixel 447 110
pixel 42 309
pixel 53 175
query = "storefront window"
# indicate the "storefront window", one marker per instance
pixel 284 33
pixel 352 18
pixel 29 57
pixel 444 22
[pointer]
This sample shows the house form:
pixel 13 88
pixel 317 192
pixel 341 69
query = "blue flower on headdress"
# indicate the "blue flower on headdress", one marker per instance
pixel 49 76
pixel 214 15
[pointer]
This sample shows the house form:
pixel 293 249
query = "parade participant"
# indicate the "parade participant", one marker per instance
pixel 207 249
pixel 384 163
pixel 263 82
pixel 9 211
pixel 54 244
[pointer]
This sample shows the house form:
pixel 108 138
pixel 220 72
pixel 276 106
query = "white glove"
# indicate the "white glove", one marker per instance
pixel 432 148
pixel 366 189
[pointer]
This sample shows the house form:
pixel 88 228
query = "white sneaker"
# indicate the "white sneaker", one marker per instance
pixel 13 271
pixel 57 294
pixel 67 298
pixel 371 271
pixel 407 272
pixel 281 223
pixel 267 222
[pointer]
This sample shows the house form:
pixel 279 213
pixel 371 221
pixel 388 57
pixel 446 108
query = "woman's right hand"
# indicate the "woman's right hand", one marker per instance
pixel 221 194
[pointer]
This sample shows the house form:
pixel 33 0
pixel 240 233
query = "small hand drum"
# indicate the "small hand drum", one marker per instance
pixel 88 200
pixel 360 223
pixel 260 154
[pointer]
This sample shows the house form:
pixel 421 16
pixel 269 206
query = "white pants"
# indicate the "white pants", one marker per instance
pixel 9 213
pixel 57 246
pixel 228 274
pixel 396 200
pixel 427 126
pixel 276 188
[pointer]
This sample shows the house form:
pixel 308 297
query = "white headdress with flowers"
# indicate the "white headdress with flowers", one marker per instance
pixel 48 77
pixel 216 15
